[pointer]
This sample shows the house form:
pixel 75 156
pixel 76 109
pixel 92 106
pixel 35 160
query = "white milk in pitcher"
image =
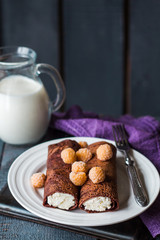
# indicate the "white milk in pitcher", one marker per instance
pixel 24 110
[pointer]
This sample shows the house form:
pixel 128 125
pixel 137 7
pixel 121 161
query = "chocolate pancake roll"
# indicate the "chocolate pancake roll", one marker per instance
pixel 59 191
pixel 100 197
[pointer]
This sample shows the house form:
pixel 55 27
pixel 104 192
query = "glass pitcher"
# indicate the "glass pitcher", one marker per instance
pixel 25 108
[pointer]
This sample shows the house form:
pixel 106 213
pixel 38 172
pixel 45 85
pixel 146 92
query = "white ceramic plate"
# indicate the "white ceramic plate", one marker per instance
pixel 34 160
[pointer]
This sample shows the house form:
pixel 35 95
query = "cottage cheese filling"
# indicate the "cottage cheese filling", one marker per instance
pixel 61 200
pixel 98 204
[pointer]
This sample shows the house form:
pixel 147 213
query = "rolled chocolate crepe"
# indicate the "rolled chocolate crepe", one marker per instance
pixel 100 197
pixel 59 191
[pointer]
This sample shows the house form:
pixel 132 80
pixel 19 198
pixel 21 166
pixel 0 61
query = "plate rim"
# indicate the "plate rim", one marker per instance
pixel 45 144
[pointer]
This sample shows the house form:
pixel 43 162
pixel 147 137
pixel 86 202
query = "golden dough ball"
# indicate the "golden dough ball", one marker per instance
pixel 68 155
pixel 78 178
pixel 84 154
pixel 96 174
pixel 79 167
pixel 83 144
pixel 104 152
pixel 38 180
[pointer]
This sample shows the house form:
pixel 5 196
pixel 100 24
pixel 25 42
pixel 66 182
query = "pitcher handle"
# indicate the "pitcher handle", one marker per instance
pixel 56 77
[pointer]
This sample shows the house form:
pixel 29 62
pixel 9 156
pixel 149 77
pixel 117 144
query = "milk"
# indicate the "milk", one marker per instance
pixel 24 110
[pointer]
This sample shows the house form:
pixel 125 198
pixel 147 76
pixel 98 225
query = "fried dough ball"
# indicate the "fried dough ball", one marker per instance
pixel 68 155
pixel 79 167
pixel 84 154
pixel 38 180
pixel 83 144
pixel 78 178
pixel 96 174
pixel 104 152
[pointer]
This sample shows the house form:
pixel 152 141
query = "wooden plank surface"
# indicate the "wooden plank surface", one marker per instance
pixel 1 150
pixel 33 24
pixel 145 57
pixel 90 35
pixel 11 228
pixel 93 54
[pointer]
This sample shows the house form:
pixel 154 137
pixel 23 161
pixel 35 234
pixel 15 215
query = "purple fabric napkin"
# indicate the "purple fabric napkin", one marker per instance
pixel 144 136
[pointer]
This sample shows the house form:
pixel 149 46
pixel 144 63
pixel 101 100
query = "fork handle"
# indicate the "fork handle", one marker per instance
pixel 139 192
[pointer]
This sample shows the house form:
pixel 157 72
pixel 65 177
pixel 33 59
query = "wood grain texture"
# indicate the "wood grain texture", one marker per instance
pixel 17 229
pixel 9 154
pixel 33 24
pixel 1 43
pixel 93 54
pixel 2 178
pixel 86 38
pixel 1 151
pixel 145 57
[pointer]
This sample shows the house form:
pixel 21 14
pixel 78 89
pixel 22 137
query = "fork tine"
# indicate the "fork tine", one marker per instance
pixel 116 134
pixel 120 134
pixel 124 134
pixel 119 129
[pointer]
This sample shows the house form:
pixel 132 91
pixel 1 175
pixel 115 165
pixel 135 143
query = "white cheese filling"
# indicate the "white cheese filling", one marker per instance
pixel 61 200
pixel 98 204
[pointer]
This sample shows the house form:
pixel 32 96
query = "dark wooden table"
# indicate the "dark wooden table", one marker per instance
pixel 18 223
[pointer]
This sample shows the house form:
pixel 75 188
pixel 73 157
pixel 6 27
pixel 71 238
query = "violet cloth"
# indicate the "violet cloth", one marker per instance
pixel 143 135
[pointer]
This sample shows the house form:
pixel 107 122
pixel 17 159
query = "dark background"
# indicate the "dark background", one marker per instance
pixel 107 51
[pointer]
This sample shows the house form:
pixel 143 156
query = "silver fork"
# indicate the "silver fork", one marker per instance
pixel 123 145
